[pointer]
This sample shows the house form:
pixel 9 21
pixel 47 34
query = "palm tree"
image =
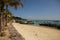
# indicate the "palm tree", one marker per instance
pixel 9 16
pixel 3 3
pixel 13 3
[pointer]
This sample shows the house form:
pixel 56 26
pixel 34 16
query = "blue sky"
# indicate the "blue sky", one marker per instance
pixel 39 9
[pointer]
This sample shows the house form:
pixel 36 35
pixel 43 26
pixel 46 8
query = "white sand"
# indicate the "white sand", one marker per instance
pixel 30 32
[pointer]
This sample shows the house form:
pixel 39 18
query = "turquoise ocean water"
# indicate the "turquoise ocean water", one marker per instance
pixel 37 22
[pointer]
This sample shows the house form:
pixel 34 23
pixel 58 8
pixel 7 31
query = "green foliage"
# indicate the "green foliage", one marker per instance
pixel 17 17
pixel 13 3
pixel 7 15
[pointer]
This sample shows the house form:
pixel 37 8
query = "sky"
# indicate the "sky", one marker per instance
pixel 39 10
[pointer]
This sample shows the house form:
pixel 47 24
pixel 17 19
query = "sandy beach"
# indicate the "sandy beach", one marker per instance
pixel 30 32
pixel 11 33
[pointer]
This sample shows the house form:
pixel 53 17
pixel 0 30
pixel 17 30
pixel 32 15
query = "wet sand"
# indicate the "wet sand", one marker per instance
pixel 30 32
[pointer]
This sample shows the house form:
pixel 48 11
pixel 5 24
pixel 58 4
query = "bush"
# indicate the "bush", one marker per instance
pixel 2 34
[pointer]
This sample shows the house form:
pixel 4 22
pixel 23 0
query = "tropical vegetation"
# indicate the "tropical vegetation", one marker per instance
pixel 4 12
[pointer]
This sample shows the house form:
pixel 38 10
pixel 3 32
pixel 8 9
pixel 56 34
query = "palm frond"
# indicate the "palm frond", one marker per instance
pixel 13 3
pixel 21 5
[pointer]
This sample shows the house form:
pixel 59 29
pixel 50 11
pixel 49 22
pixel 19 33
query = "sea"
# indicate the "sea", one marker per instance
pixel 37 22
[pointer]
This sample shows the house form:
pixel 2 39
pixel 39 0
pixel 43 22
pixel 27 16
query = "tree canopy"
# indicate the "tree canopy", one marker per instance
pixel 13 3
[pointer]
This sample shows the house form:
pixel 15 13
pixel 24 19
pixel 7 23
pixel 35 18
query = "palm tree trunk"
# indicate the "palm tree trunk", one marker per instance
pixel 0 22
pixel 1 10
pixel 6 14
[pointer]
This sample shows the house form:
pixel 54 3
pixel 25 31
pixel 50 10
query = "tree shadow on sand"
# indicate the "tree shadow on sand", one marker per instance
pixel 14 35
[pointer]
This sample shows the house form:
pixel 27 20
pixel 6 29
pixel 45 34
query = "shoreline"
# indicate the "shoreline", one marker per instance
pixel 41 26
pixel 30 32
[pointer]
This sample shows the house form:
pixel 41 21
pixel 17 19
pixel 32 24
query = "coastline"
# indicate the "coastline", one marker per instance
pixel 30 32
